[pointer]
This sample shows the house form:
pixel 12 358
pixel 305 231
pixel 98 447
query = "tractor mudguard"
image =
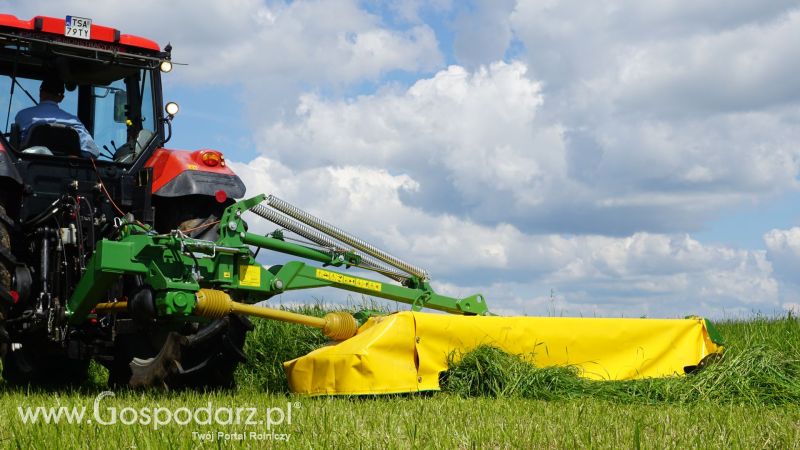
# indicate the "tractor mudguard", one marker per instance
pixel 7 169
pixel 177 173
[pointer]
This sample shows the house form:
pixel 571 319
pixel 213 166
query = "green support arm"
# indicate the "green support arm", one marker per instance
pixel 297 275
pixel 177 266
pixel 110 261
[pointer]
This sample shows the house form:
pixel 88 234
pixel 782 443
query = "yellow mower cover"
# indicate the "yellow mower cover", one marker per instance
pixel 406 351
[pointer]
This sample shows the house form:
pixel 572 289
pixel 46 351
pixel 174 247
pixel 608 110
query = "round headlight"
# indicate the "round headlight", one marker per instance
pixel 166 66
pixel 172 108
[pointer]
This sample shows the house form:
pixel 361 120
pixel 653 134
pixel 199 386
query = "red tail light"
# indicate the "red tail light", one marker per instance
pixel 221 196
pixel 212 159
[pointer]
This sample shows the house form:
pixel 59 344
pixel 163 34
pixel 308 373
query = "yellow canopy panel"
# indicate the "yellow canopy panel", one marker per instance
pixel 406 351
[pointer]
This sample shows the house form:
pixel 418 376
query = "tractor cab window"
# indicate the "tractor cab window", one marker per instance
pixel 109 115
pixel 116 105
pixel 120 130
pixel 27 95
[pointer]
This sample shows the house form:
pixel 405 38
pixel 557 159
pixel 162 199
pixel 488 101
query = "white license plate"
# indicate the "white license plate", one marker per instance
pixel 78 27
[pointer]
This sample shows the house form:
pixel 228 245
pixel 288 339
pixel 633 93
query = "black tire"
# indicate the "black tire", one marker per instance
pixel 206 359
pixel 126 348
pixel 43 364
pixel 210 363
pixel 196 215
pixel 5 244
pixel 202 228
pixel 5 286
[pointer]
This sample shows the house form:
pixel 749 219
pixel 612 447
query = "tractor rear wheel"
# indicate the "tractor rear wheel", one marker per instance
pixel 43 364
pixel 5 284
pixel 37 361
pixel 5 245
pixel 205 359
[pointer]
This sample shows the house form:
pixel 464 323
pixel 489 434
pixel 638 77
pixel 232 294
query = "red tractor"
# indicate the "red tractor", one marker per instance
pixel 56 204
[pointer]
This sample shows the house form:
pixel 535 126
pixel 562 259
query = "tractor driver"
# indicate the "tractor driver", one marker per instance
pixel 51 93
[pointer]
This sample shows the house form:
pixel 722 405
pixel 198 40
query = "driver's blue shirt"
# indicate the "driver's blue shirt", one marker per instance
pixel 48 111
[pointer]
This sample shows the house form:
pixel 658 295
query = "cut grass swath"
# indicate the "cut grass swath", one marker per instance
pixel 761 365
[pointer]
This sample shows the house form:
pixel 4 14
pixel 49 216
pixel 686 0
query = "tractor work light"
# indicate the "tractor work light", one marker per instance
pixel 166 66
pixel 171 108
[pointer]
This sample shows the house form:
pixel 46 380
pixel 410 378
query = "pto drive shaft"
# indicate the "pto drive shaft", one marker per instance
pixel 215 304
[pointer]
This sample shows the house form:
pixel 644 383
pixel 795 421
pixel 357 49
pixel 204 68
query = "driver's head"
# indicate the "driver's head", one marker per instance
pixel 51 89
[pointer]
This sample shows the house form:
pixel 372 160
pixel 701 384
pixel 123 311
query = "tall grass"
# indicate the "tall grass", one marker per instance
pixel 761 365
pixel 270 344
pixel 491 400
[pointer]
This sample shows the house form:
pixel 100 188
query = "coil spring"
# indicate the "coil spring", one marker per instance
pixel 320 239
pixel 345 237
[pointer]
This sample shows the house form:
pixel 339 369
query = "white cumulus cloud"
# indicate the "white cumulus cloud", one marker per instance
pixel 272 49
pixel 783 247
pixel 562 179
pixel 642 274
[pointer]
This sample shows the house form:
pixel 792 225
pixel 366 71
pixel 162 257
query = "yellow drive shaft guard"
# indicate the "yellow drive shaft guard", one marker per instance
pixel 214 304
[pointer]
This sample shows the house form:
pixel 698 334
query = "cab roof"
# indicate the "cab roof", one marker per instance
pixel 99 33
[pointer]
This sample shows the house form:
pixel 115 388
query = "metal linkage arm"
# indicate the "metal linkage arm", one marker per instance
pixel 175 267
pixel 296 275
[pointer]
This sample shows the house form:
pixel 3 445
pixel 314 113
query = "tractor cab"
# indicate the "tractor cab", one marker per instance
pixel 116 106
pixel 112 86
pixel 118 112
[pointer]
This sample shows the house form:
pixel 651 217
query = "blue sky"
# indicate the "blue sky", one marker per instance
pixel 745 225
pixel 634 158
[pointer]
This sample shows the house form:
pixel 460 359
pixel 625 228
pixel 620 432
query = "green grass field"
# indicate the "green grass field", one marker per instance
pixel 750 399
